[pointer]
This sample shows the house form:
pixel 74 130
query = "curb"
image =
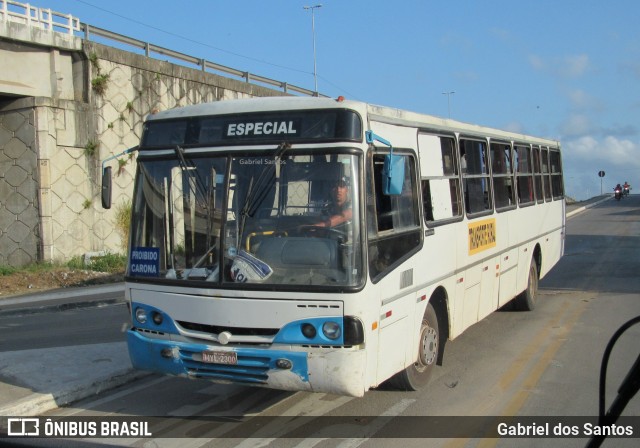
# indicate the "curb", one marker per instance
pixel 34 381
pixel 584 207
pixel 21 311
pixel 64 293
pixel 38 403
pixel 56 300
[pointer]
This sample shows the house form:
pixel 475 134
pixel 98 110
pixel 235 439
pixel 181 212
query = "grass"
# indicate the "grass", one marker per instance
pixel 112 263
pixel 123 221
pixel 7 270
pixel 99 84
pixel 31 268
pixel 90 148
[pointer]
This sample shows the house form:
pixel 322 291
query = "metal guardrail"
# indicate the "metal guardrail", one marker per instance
pixel 12 11
pixel 90 30
pixel 55 21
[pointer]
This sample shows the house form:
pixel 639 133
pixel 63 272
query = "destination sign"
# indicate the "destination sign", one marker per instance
pixel 306 126
pixel 262 128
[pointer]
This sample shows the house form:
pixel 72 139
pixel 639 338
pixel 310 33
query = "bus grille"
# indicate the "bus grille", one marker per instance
pixel 237 331
pixel 250 369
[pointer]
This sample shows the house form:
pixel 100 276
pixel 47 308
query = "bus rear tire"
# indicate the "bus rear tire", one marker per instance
pixel 417 375
pixel 526 300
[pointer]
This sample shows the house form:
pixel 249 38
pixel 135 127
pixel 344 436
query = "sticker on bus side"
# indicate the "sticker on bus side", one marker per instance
pixel 144 262
pixel 482 235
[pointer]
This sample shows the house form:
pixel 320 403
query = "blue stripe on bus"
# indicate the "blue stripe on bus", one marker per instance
pixel 254 364
pixel 291 333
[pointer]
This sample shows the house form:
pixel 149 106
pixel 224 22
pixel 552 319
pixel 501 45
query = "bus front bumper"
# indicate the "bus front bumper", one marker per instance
pixel 329 370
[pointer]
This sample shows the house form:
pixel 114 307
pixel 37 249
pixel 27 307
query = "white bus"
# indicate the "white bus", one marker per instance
pixel 312 244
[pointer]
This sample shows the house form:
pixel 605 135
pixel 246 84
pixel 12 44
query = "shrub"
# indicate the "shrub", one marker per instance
pixel 122 223
pixel 109 263
pixel 7 270
pixel 91 148
pixel 99 84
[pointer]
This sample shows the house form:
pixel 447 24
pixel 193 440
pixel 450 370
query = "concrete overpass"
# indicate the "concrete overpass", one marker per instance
pixel 65 104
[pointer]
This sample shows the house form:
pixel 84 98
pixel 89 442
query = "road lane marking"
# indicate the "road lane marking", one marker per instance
pixel 529 383
pixel 565 321
pixel 517 366
pixel 371 429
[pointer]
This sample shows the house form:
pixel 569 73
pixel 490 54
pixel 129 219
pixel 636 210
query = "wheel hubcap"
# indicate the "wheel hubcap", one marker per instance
pixel 429 348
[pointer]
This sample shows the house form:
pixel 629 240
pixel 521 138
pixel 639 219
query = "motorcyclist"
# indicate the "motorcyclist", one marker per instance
pixel 617 191
pixel 625 188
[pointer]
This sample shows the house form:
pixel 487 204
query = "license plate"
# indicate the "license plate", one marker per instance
pixel 229 358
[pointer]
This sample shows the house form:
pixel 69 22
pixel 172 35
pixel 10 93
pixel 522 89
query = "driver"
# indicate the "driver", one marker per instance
pixel 339 207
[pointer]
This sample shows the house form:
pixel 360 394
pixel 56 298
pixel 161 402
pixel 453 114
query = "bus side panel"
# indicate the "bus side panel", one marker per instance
pixel 471 303
pixel 490 287
pixel 395 339
pixel 529 222
pixel 507 262
pixel 508 276
pixel 554 242
pixel 552 252
pixel 529 226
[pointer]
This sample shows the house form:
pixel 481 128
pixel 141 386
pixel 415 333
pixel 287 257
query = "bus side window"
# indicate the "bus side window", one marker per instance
pixel 545 174
pixel 537 169
pixel 502 170
pixel 477 191
pixel 393 220
pixel 524 174
pixel 557 184
pixel 441 198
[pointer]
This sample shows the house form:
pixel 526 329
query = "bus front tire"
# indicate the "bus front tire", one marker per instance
pixel 417 375
pixel 526 300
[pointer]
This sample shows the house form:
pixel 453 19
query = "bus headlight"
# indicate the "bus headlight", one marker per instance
pixel 309 331
pixel 156 317
pixel 331 330
pixel 141 315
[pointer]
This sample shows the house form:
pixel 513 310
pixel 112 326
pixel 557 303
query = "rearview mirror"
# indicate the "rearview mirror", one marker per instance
pixel 393 174
pixel 106 187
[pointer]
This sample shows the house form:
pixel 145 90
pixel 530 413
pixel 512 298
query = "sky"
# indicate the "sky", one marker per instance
pixel 568 70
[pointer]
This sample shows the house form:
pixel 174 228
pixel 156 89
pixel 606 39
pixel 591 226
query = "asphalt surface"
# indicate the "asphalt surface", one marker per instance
pixel 39 380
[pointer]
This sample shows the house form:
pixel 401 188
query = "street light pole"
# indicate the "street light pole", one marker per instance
pixel 449 100
pixel 313 30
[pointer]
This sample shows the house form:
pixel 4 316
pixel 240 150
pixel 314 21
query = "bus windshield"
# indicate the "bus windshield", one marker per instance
pixel 275 218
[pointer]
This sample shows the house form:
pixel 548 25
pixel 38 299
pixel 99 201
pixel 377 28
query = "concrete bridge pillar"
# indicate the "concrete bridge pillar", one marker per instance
pixel 65 105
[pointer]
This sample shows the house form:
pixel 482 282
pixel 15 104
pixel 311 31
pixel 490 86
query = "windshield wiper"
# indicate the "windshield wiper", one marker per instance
pixel 189 169
pixel 197 187
pixel 257 192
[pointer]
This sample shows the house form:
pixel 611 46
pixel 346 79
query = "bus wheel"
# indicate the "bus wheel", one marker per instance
pixel 418 375
pixel 526 300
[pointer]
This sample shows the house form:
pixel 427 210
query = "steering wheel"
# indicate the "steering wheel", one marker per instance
pixel 323 232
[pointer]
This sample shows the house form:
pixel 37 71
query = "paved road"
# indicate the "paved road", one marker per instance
pixel 544 363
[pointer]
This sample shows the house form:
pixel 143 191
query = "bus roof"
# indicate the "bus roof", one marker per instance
pixel 372 112
pixel 249 105
pixel 438 124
